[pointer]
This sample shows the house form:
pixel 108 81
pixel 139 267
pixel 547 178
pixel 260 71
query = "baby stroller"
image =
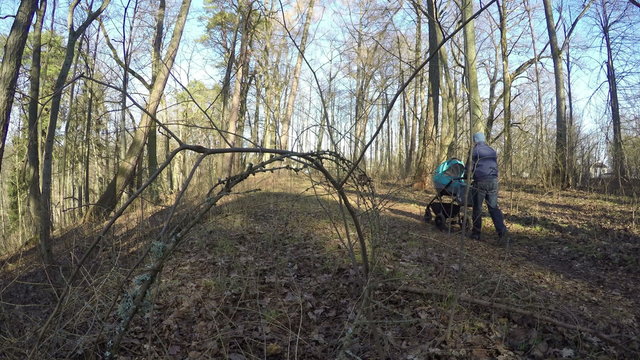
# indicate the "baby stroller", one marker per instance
pixel 451 189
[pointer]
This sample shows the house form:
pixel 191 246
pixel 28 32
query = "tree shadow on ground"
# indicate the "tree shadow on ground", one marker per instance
pixel 422 198
pixel 264 266
pixel 408 214
pixel 571 242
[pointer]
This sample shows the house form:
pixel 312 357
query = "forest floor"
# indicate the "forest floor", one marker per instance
pixel 267 276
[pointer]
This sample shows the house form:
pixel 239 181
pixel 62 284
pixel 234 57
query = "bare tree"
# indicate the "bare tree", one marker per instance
pixel 156 64
pixel 236 98
pixel 561 108
pixel 109 198
pixel 47 165
pixel 539 132
pixel 295 79
pixel 507 80
pixel 470 67
pixel 33 162
pixel 11 60
pixel 562 156
pixel 606 23
pixel 430 114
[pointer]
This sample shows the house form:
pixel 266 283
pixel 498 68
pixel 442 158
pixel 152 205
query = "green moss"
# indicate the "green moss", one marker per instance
pixel 158 249
pixel 208 284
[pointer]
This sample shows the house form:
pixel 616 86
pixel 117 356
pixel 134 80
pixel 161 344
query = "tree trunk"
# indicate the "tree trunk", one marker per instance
pixel 226 82
pixel 449 114
pixel 571 130
pixel 10 67
pixel 329 109
pixel 234 111
pixel 561 119
pixel 433 95
pixel 152 140
pixel 127 44
pixel 359 99
pixel 441 85
pixel 126 170
pixel 539 152
pixel 619 168
pixel 421 151
pixel 269 139
pixel 506 89
pixel 47 165
pixel 87 143
pixel 471 71
pixel 295 79
pixel 402 148
pixel 169 176
pixel 255 137
pixel 492 101
pixel 364 76
pixel 242 112
pixel 69 117
pixel 389 147
pixel 33 160
pixel 417 96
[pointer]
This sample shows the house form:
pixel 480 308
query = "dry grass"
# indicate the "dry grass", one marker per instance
pixel 269 275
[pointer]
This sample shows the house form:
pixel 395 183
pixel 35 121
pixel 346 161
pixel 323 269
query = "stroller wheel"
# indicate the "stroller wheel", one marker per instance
pixel 427 214
pixel 441 221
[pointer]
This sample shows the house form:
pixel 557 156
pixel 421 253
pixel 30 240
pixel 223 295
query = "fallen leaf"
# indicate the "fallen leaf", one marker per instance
pixel 567 353
pixel 174 349
pixel 194 354
pixel 274 349
pixel 236 356
pixel 480 354
pixel 542 347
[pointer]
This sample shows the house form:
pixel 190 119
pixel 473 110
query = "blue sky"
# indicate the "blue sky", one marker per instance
pixel 196 63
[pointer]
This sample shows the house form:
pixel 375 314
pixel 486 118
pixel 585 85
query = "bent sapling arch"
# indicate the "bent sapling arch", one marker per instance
pixel 159 252
pixel 156 254
pixel 134 300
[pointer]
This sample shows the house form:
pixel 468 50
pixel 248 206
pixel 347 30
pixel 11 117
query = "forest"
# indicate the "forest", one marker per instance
pixel 254 179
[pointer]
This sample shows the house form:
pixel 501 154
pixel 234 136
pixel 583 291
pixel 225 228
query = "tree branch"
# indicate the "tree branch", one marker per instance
pixel 114 53
pixel 385 118
pixel 92 16
pixel 574 23
pixel 136 104
pixel 508 308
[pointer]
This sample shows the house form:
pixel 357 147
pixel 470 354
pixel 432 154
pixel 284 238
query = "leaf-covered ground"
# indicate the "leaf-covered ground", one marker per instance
pixel 269 275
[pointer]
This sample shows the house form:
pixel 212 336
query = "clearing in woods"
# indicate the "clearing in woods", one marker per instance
pixel 266 276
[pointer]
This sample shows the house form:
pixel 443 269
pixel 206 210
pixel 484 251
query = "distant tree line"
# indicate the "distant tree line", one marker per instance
pixel 95 96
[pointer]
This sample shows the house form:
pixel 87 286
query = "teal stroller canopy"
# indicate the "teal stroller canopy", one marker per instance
pixel 448 178
pixel 445 207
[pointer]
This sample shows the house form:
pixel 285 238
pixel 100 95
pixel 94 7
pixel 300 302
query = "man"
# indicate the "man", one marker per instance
pixel 483 165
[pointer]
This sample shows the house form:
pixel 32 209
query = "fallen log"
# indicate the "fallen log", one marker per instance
pixel 512 309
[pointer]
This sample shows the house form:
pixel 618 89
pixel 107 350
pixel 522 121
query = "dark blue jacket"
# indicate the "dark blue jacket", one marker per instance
pixel 484 162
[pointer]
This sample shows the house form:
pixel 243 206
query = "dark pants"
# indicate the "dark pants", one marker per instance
pixel 486 190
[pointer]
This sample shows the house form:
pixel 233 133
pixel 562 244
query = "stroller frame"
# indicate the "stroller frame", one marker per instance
pixel 448 205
